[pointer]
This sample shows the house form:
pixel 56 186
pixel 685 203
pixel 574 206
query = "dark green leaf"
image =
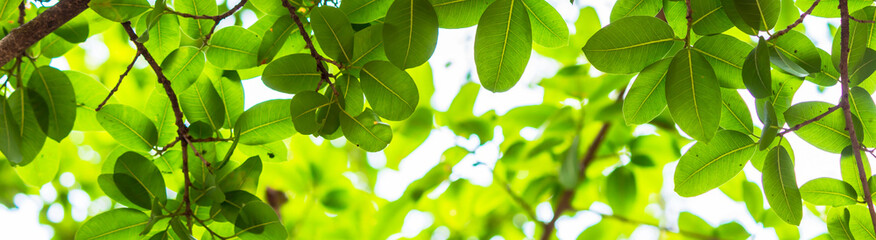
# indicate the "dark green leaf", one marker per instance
pixel 234 48
pixel 503 43
pixel 647 97
pixel 390 91
pixel 31 138
pixel 182 67
pixel 139 180
pixel 411 31
pixel 759 14
pixel 60 102
pixel 780 186
pixel 366 130
pixel 128 126
pixel 734 112
pixel 622 46
pixel 796 54
pixel 365 11
pixel 274 38
pixel 201 102
pixel 114 224
pixel 265 122
pixel 709 17
pixel 692 94
pixel 756 71
pixel 292 74
pixel 119 10
pixel 622 196
pixel 304 106
pixel 770 127
pixel 244 177
pixel 351 91
pixel 333 32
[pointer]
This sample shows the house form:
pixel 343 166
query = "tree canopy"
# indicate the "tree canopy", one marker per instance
pixel 142 103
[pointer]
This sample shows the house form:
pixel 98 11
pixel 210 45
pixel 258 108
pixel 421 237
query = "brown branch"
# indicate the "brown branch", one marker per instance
pixel 807 122
pixel 19 39
pixel 844 102
pixel 798 22
pixel 182 130
pixel 116 88
pixel 167 147
pixel 689 18
pixel 212 139
pixel 323 72
pixel 216 18
pixel 197 153
pixel 861 21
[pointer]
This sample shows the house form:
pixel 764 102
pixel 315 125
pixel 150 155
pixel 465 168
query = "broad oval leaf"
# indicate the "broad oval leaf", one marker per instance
pixel 128 126
pixel 828 76
pixel 351 91
pixel 292 74
pixel 838 223
pixel 123 223
pixel 548 27
pixel 692 94
pixel 139 180
pixel 780 186
pixel 196 28
pixel 860 223
pixel 828 133
pixel 303 110
pixel 85 113
pixel 365 11
pixel 159 110
pixel 734 16
pixel 201 102
pixel 503 43
pixel 759 14
pixel 706 166
pixel 829 8
pixel 849 170
pixel 265 122
pixel 726 54
pixel 165 35
pixel 622 197
pixel 796 54
pixel 244 177
pixel 770 126
pixel 410 30
pixel 828 191
pixel 756 71
pixel 10 134
pixel 647 97
pixel 333 32
pixel 709 17
pixel 734 112
pixel 230 90
pixel 275 37
pixel 366 130
pixel 60 101
pixel 119 10
pixel 862 106
pixel 368 46
pixel 390 91
pixel 234 48
pixel 459 13
pixel 30 135
pixel 182 67
pixel 626 8
pixel 623 47
pixel 74 31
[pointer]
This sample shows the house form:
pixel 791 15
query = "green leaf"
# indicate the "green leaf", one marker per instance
pixel 622 196
pixel 390 91
pixel 860 39
pixel 197 28
pixel 860 222
pixel 756 71
pixel 329 116
pixel 623 46
pixel 734 113
pixel 828 191
pixel 234 48
pixel 74 31
pixel 708 165
pixel 411 30
pixel 366 130
pixel 692 94
pixel 862 106
pixel 60 102
pixel 459 13
pixel 31 138
pixel 351 91
pixel 119 10
pixel 409 135
pixel 732 230
pixel 365 11
pixel 139 180
pixel 201 102
pixel 304 106
pixel 44 167
pixel 734 16
pixel 165 36
pixel 864 68
pixel 784 87
pixel 10 134
pixel 827 134
pixel 626 8
pixel 83 83
pixel 9 10
pixel 838 223
pixel 292 74
pixel 274 38
pixel 548 27
pixel 230 90
pixel 753 198
pixel 709 17
pixel 120 223
pixel 274 7
pixel 168 162
pixel 569 167
pixel 333 32
pixel 828 76
pixel 182 67
pixel 159 110
pixel 265 122
pixel 180 230
pixel 726 54
pixel 647 97
pixel 759 14
pixel 828 8
pixel 780 186
pixel 244 177
pixel 690 223
pixel 796 54
pixel 770 127
pixel 503 43
pixel 128 126
pixel 257 220
pixel 368 46
pixel 849 169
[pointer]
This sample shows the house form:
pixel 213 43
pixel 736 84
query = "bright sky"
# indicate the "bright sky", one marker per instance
pixel 455 46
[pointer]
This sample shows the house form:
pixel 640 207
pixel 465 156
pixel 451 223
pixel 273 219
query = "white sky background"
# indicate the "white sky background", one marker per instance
pixel 455 46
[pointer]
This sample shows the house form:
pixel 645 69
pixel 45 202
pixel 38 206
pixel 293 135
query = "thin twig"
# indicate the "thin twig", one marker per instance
pixel 216 18
pixel 861 21
pixel 212 139
pixel 323 72
pixel 844 102
pixel 689 18
pixel 167 147
pixel 798 22
pixel 516 197
pixel 197 153
pixel 116 88
pixel 807 122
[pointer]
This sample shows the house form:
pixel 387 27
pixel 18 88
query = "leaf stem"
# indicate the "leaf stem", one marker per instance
pixel 116 88
pixel 844 102
pixel 323 72
pixel 216 18
pixel 807 122
pixel 798 22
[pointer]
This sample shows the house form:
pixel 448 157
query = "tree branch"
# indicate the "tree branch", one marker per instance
pixel 689 18
pixel 182 130
pixel 116 88
pixel 844 102
pixel 807 122
pixel 323 72
pixel 861 21
pixel 19 39
pixel 798 22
